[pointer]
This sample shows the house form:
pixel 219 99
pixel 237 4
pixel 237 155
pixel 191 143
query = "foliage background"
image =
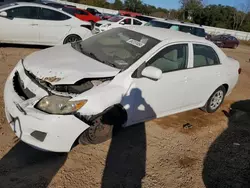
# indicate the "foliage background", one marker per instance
pixel 195 11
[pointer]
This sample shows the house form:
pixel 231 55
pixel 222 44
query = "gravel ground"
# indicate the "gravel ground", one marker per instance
pixel 214 152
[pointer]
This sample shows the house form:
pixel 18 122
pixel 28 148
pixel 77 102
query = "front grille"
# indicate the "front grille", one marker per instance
pixel 98 24
pixel 18 85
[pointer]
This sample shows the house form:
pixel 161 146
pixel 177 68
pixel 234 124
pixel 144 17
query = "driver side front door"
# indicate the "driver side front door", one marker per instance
pixel 164 96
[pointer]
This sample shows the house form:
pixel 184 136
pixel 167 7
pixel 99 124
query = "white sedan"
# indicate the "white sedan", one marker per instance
pixel 30 23
pixel 120 77
pixel 115 21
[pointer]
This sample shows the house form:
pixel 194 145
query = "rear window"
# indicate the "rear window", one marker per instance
pixel 200 32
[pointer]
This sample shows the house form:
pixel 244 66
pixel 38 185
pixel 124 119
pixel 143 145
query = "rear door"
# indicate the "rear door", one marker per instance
pixel 53 26
pixel 19 25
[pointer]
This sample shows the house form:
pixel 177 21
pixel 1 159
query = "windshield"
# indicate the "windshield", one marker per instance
pixel 118 47
pixel 115 19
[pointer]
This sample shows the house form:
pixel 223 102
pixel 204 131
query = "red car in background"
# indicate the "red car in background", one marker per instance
pixel 81 14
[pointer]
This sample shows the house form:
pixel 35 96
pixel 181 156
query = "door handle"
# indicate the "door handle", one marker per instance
pixel 34 24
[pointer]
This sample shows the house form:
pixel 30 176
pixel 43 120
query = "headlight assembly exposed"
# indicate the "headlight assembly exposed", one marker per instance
pixel 59 105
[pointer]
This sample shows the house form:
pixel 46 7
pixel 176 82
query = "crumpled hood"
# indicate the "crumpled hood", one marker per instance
pixel 65 65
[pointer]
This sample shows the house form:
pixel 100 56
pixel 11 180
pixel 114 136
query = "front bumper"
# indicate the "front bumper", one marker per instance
pixel 61 130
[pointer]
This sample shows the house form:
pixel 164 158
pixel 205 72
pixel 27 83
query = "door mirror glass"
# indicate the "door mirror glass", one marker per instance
pixel 152 73
pixel 3 14
pixel 122 23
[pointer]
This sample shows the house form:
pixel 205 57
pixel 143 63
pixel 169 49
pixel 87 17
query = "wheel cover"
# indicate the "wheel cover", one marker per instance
pixel 100 130
pixel 216 99
pixel 72 39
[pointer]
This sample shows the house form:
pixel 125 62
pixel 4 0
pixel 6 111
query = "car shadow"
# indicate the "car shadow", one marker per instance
pixel 227 163
pixel 4 45
pixel 24 166
pixel 125 162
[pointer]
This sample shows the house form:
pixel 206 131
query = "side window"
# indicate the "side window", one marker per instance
pixel 127 21
pixel 186 29
pixel 171 58
pixel 136 22
pixel 81 12
pixel 204 56
pixel 23 12
pixel 69 10
pixel 48 14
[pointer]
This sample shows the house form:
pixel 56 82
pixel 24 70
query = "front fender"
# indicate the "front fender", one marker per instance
pixel 100 98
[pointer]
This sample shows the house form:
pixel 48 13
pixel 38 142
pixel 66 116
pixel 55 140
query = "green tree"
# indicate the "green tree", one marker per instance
pixel 190 7
pixel 133 5
pixel 118 5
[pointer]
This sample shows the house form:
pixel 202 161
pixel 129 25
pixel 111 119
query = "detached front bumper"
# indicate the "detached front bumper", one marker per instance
pixel 44 131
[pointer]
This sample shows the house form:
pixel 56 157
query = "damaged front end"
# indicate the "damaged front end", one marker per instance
pixel 67 89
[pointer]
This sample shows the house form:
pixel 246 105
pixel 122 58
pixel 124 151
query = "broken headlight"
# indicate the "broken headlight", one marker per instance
pixel 59 105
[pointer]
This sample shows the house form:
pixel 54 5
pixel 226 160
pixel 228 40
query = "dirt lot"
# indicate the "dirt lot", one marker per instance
pixel 215 152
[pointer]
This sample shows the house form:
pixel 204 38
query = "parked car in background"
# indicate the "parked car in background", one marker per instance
pixel 55 4
pixel 208 36
pixel 225 41
pixel 142 73
pixel 82 14
pixel 94 12
pixel 128 13
pixel 115 21
pixel 145 18
pixel 193 29
pixel 106 16
pixel 32 23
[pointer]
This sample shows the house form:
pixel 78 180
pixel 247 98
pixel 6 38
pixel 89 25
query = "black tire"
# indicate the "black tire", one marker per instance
pixel 96 133
pixel 213 104
pixel 71 38
pixel 104 126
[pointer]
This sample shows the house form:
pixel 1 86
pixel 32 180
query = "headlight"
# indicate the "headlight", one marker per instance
pixel 59 105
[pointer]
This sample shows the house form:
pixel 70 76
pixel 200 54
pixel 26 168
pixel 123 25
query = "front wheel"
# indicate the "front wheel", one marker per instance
pixel 215 100
pixel 104 126
pixel 97 133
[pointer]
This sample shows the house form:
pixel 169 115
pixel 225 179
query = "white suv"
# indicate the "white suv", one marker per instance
pixel 193 29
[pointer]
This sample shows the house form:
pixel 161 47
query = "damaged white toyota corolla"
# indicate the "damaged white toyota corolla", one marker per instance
pixel 81 91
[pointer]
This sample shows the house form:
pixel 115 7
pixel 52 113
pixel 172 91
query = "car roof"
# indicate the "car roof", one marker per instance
pixel 179 23
pixel 165 34
pixel 17 4
pixel 32 4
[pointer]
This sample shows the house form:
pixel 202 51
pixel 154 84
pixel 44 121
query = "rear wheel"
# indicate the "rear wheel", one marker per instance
pixel 215 100
pixel 71 38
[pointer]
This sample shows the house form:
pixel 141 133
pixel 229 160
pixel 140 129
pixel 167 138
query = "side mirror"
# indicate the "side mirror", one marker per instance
pixel 152 73
pixel 3 14
pixel 122 23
